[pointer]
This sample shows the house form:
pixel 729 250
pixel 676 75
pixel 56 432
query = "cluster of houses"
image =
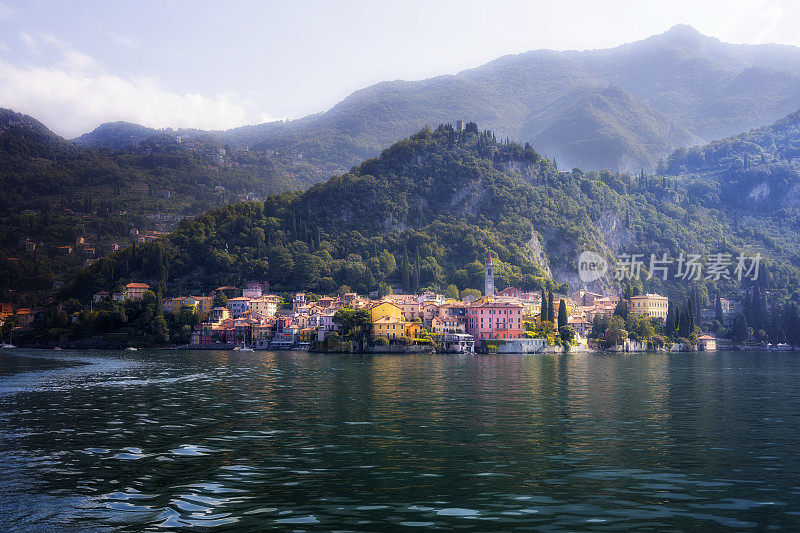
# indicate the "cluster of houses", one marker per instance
pixel 86 250
pixel 146 236
pixel 254 318
pixel 260 320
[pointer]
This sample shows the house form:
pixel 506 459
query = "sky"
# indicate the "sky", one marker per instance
pixel 216 65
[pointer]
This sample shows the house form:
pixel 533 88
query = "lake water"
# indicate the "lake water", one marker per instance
pixel 261 440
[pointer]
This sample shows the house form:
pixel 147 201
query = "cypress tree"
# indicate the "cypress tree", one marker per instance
pixel 562 314
pixel 670 324
pixel 755 308
pixel 416 272
pixel 741 330
pixel 543 308
pixel 551 315
pixel 718 309
pixel 406 273
pixel 683 326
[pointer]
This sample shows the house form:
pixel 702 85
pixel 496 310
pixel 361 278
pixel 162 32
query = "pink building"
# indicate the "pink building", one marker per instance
pixel 511 292
pixel 135 291
pixel 495 320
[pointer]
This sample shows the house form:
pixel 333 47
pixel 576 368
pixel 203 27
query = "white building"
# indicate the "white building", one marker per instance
pixel 238 306
pixel 264 305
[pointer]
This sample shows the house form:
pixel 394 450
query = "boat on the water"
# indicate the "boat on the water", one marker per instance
pixel 246 349
pixel 7 346
pixel 130 349
pixel 57 348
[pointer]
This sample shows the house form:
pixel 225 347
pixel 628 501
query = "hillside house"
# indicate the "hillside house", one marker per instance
pixel 135 291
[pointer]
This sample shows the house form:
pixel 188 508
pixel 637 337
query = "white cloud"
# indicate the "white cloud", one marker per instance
pixel 123 39
pixel 5 11
pixel 75 94
pixel 29 41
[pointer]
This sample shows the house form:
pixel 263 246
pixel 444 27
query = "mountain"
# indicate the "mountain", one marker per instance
pixel 54 193
pixel 115 135
pixel 22 136
pixel 425 213
pixel 609 128
pixel 622 108
pixel 754 177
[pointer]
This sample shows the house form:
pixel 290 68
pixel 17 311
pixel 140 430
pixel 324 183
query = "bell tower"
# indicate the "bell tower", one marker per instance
pixel 489 276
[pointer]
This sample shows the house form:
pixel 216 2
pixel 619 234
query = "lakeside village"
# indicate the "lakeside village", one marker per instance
pixel 505 321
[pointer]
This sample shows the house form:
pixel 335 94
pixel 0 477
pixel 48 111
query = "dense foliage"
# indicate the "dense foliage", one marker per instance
pixel 425 214
pixel 753 179
pixel 52 192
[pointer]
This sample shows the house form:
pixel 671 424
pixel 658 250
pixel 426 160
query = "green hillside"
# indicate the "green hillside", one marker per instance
pixel 755 178
pixel 53 192
pixel 424 214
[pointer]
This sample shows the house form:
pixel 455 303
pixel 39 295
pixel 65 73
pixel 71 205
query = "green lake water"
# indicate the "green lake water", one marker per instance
pixel 102 440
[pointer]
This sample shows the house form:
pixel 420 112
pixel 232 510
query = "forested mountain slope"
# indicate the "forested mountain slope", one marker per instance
pixel 755 178
pixel 425 213
pixel 53 193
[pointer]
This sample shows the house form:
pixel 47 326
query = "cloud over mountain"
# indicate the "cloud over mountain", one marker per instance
pixel 72 92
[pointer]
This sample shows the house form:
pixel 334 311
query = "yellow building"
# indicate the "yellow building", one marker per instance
pixel 203 305
pixel 173 305
pixel 413 329
pixel 388 322
pixel 386 309
pixel 653 305
pixel 389 328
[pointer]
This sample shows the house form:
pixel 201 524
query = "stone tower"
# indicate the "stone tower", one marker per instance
pixel 489 279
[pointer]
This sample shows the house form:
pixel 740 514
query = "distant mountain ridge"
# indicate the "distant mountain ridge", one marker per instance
pixel 115 135
pixel 621 108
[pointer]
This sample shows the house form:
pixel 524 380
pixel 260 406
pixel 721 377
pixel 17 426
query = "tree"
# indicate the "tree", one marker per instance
pixel 416 273
pixel 353 324
pixel 567 334
pixel 562 314
pixel 384 289
pixel 451 291
pixel 599 326
pixel 406 271
pixel 691 316
pixel 543 309
pixel 551 314
pixel 616 333
pixel 149 309
pixel 741 331
pixel 671 323
pixel 160 330
pixel 471 292
pixel 220 300
pixel 621 310
pixel 718 309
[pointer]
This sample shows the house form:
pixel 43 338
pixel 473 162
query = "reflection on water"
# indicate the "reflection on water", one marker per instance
pixel 99 440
